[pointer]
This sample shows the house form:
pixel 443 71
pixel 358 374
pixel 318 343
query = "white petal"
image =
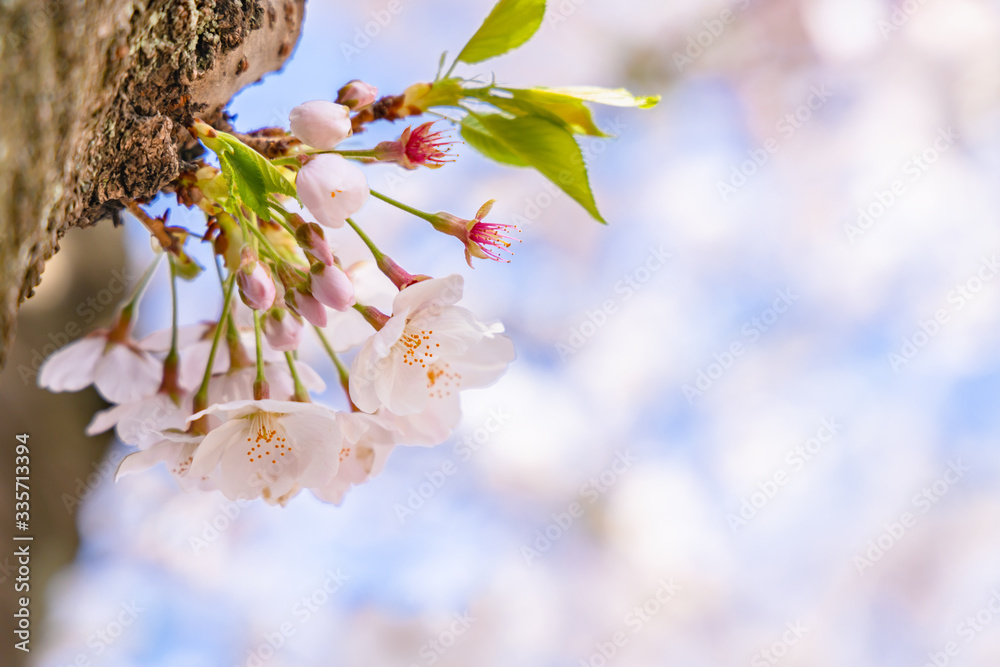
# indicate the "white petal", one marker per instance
pixel 432 426
pixel 166 451
pixel 71 368
pixel 427 293
pixel 106 419
pixel 211 449
pixel 159 341
pixel 402 388
pixel 320 438
pixel 124 374
pixel 484 362
pixel 194 359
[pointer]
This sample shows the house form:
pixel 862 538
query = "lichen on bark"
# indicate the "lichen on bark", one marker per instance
pixel 95 103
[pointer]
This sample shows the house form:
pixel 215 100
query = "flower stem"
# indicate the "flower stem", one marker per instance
pixel 282 219
pixel 400 205
pixel 260 388
pixel 394 272
pixel 368 242
pixel 169 383
pixel 367 153
pixel 341 370
pixel 129 309
pixel 301 394
pixel 263 240
pixel 201 397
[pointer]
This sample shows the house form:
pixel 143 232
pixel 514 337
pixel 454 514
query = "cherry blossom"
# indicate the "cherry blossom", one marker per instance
pixel 331 287
pixel 256 287
pixel 332 189
pixel 357 94
pixel 368 441
pixel 306 305
pixel 176 450
pixel 320 124
pixel 482 239
pixel 269 449
pixel 141 422
pixel 109 359
pixel 416 147
pixel 428 347
pixel 282 329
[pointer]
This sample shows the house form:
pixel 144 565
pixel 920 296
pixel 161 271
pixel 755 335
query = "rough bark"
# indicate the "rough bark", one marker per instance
pixel 95 97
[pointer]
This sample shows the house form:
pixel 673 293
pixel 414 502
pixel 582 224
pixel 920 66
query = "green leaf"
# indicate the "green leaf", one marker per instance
pixel 509 25
pixel 563 109
pixel 251 176
pixel 548 147
pixel 480 138
pixel 616 97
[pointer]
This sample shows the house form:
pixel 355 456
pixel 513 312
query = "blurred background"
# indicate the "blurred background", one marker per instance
pixel 753 420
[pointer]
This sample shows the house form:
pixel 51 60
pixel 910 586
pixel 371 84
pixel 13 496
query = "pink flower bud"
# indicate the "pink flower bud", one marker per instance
pixel 307 306
pixel 332 287
pixel 256 287
pixel 282 330
pixel 357 94
pixel 320 124
pixel 311 240
pixel 332 189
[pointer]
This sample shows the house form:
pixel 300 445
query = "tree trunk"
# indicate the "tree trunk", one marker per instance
pixel 95 98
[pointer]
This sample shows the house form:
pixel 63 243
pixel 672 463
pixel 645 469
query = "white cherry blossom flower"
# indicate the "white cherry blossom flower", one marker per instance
pixel 176 450
pixel 141 422
pixel 269 449
pixel 111 361
pixel 428 348
pixel 331 188
pixel 368 441
pixel 320 124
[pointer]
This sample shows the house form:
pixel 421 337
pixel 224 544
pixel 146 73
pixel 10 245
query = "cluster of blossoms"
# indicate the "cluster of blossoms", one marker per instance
pixel 227 404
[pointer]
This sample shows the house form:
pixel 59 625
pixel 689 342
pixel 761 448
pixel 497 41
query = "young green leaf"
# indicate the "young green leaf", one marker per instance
pixel 617 97
pixel 568 111
pixel 548 147
pixel 509 25
pixel 251 176
pixel 480 138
